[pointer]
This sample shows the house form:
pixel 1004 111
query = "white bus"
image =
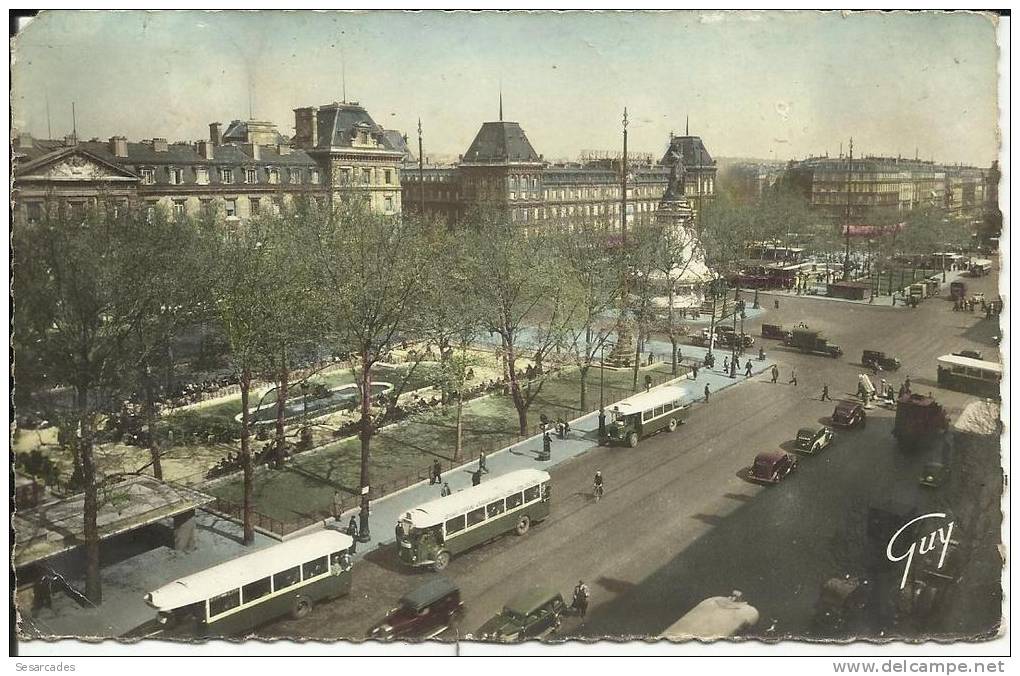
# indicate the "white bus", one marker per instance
pixel 644 414
pixel 237 596
pixel 969 375
pixel 430 533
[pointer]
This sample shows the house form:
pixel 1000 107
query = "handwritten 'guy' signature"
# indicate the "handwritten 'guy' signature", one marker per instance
pixel 922 546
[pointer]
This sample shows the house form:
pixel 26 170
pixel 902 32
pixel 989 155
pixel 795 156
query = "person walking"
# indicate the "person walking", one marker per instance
pixel 437 472
pixel 481 462
pixel 707 392
pixel 747 369
pixel 793 377
pixel 736 363
pixel 775 373
pixel 476 477
pixel 352 530
pixel 648 382
pixel 694 370
pixel 337 504
pixel 825 392
pixel 761 354
pixel 726 364
pixel 581 597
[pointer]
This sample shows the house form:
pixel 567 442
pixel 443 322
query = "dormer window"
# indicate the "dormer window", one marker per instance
pixel 226 175
pixel 176 176
pixel 295 175
pixel 274 175
pixel 315 175
pixel 201 176
pixel 148 175
pixel 252 176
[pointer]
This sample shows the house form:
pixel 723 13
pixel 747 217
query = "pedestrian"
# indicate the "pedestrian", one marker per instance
pixel 775 373
pixel 906 384
pixel 648 382
pixel 694 370
pixel 736 363
pixel 445 490
pixel 793 377
pixel 825 392
pixel 546 446
pixel 437 472
pixel 352 530
pixel 726 364
pixel 761 354
pixel 481 462
pixel 706 393
pixel 777 303
pixel 581 595
pixel 651 357
pixel 476 477
pixel 337 504
pixel 747 369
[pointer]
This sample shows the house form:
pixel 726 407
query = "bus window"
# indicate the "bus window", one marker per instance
pixel 287 578
pixel 455 524
pixel 495 508
pixel 315 567
pixel 256 590
pixel 647 415
pixel 513 501
pixel 224 602
pixel 475 516
pixel 531 494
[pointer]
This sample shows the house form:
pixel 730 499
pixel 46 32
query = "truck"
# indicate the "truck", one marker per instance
pixel 920 421
pixel 957 290
pixel 812 341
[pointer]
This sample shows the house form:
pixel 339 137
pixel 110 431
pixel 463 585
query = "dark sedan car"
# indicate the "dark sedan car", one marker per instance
pixel 423 613
pixel 533 614
pixel 772 466
pixel 811 440
pixel 849 414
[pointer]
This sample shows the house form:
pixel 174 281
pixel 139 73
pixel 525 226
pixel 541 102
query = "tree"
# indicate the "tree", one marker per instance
pixel 676 254
pixel 595 272
pixel 519 288
pixel 81 301
pixel 370 274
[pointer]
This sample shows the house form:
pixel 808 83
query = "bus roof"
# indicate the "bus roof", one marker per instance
pixel 957 360
pixel 716 617
pixel 246 569
pixel 438 511
pixel 651 399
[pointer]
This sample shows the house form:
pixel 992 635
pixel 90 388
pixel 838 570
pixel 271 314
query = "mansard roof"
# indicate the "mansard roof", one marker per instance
pixel 500 143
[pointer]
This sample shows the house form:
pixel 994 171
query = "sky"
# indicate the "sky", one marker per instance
pixel 754 84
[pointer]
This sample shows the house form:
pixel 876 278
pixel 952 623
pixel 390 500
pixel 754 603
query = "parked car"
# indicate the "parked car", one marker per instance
pixel 849 414
pixel 970 354
pixel 422 614
pixel 533 614
pixel 772 466
pixel 811 440
pixel 873 358
pixel 934 475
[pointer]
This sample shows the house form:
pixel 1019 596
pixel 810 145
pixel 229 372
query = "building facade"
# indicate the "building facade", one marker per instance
pixel 833 188
pixel 243 171
pixel 501 168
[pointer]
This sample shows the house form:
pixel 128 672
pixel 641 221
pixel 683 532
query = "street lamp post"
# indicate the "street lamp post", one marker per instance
pixel 733 340
pixel 602 388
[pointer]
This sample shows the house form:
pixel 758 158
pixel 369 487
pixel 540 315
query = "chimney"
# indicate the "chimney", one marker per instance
pixel 251 149
pixel 118 146
pixel 283 149
pixel 70 140
pixel 216 133
pixel 306 127
pixel 159 145
pixel 205 149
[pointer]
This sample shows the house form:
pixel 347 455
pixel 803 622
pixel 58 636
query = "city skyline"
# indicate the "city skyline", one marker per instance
pixel 802 90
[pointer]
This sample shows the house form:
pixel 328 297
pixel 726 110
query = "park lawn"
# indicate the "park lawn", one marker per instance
pixel 305 486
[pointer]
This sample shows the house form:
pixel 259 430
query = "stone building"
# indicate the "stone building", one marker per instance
pixel 338 151
pixel 502 168
pixel 891 183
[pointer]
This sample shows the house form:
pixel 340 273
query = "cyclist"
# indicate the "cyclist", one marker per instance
pixel 597 484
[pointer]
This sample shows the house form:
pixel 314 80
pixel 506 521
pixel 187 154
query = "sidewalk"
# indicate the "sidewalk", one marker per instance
pixel 880 301
pixel 582 437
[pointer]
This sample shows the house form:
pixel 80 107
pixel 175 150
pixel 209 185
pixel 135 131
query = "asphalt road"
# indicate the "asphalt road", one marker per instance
pixel 680 522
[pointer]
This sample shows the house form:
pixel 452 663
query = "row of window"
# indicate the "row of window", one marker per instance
pixel 492 510
pixel 978 374
pixel 365 176
pixel 249 175
pixel 660 410
pixel 252 592
pixel 540 213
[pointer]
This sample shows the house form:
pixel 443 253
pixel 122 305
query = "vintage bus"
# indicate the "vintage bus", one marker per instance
pixel 237 596
pixel 430 534
pixel 969 375
pixel 644 414
pixel 979 267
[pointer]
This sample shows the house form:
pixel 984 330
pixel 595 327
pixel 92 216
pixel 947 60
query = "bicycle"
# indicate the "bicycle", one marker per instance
pixel 598 490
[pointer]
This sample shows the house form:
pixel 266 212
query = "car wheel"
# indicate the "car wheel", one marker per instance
pixel 441 562
pixel 632 439
pixel 302 606
pixel 522 526
pixel 775 476
pixel 672 424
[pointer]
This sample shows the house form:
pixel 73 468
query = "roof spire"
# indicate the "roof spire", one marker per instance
pixel 687 130
pixel 501 103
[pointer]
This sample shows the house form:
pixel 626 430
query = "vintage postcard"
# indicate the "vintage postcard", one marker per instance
pixel 499 328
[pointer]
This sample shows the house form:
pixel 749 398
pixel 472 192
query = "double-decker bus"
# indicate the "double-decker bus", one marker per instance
pixel 970 375
pixel 430 534
pixel 237 596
